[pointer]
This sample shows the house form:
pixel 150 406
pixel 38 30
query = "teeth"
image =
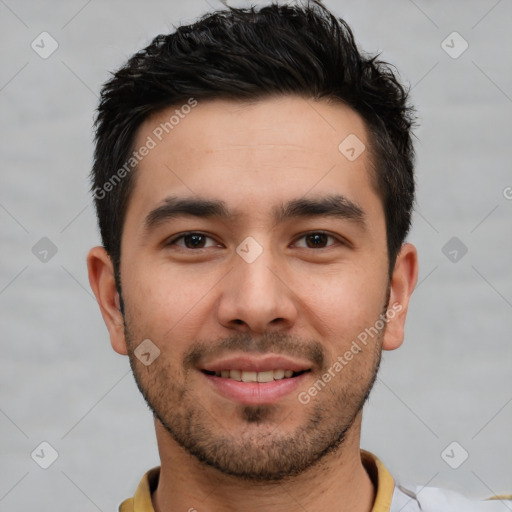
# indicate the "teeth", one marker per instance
pixel 266 376
pixel 248 376
pixel 234 374
pixel 278 374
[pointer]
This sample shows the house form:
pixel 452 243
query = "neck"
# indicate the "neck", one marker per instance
pixel 338 482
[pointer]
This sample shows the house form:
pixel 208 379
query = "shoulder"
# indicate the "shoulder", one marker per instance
pixel 141 501
pixel 126 505
pixel 435 499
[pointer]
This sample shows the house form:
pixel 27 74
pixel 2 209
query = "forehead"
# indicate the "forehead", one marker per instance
pixel 253 154
pixel 290 124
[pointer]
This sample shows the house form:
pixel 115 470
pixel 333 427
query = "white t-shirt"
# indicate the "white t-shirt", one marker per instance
pixel 435 499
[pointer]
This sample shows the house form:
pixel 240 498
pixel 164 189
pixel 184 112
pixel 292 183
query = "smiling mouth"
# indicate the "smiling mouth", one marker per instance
pixel 250 376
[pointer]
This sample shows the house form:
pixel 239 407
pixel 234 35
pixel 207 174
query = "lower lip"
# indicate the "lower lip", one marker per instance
pixel 255 393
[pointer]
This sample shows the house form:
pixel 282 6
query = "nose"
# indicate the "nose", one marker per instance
pixel 256 297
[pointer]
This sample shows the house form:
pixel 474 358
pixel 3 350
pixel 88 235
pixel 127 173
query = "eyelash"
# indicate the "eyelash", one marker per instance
pixel 190 233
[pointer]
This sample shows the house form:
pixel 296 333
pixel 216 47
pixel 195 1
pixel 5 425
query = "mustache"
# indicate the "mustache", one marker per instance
pixel 272 342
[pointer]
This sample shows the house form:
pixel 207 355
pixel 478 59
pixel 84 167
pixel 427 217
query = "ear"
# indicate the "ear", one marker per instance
pixel 403 281
pixel 101 278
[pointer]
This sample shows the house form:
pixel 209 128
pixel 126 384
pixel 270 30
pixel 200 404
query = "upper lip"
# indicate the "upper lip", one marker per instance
pixel 257 364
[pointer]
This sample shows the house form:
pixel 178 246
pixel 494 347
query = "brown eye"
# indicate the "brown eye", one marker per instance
pixel 316 240
pixel 192 241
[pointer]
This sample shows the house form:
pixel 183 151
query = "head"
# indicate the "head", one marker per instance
pixel 253 179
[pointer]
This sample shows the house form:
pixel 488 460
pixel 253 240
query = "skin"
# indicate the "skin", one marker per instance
pixel 302 297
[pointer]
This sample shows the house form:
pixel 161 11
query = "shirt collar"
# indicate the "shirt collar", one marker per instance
pixel 382 480
pixel 380 476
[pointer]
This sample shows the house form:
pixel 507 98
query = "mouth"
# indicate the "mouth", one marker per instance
pixel 256 380
pixel 253 376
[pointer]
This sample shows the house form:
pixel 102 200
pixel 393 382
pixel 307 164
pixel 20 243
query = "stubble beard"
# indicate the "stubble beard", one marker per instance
pixel 258 450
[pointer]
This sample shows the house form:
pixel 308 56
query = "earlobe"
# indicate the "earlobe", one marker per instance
pixel 101 279
pixel 403 281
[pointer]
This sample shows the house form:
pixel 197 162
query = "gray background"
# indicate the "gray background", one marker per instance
pixel 60 381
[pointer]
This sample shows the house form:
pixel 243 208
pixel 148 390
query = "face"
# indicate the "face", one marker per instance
pixel 254 260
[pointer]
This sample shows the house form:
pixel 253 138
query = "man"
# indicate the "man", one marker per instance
pixel 253 179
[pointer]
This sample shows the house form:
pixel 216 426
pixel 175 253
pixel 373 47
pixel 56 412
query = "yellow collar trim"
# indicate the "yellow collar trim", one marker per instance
pixel 382 480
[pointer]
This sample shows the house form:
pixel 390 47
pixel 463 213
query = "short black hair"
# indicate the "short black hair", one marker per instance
pixel 250 54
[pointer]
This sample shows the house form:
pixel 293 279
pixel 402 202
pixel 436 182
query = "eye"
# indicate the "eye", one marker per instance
pixel 317 240
pixel 197 240
pixel 192 240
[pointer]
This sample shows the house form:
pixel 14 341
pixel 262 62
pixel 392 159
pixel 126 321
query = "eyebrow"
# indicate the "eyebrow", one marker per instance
pixel 336 205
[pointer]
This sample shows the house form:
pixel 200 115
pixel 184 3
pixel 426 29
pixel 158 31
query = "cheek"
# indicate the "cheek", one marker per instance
pixel 345 303
pixel 163 300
